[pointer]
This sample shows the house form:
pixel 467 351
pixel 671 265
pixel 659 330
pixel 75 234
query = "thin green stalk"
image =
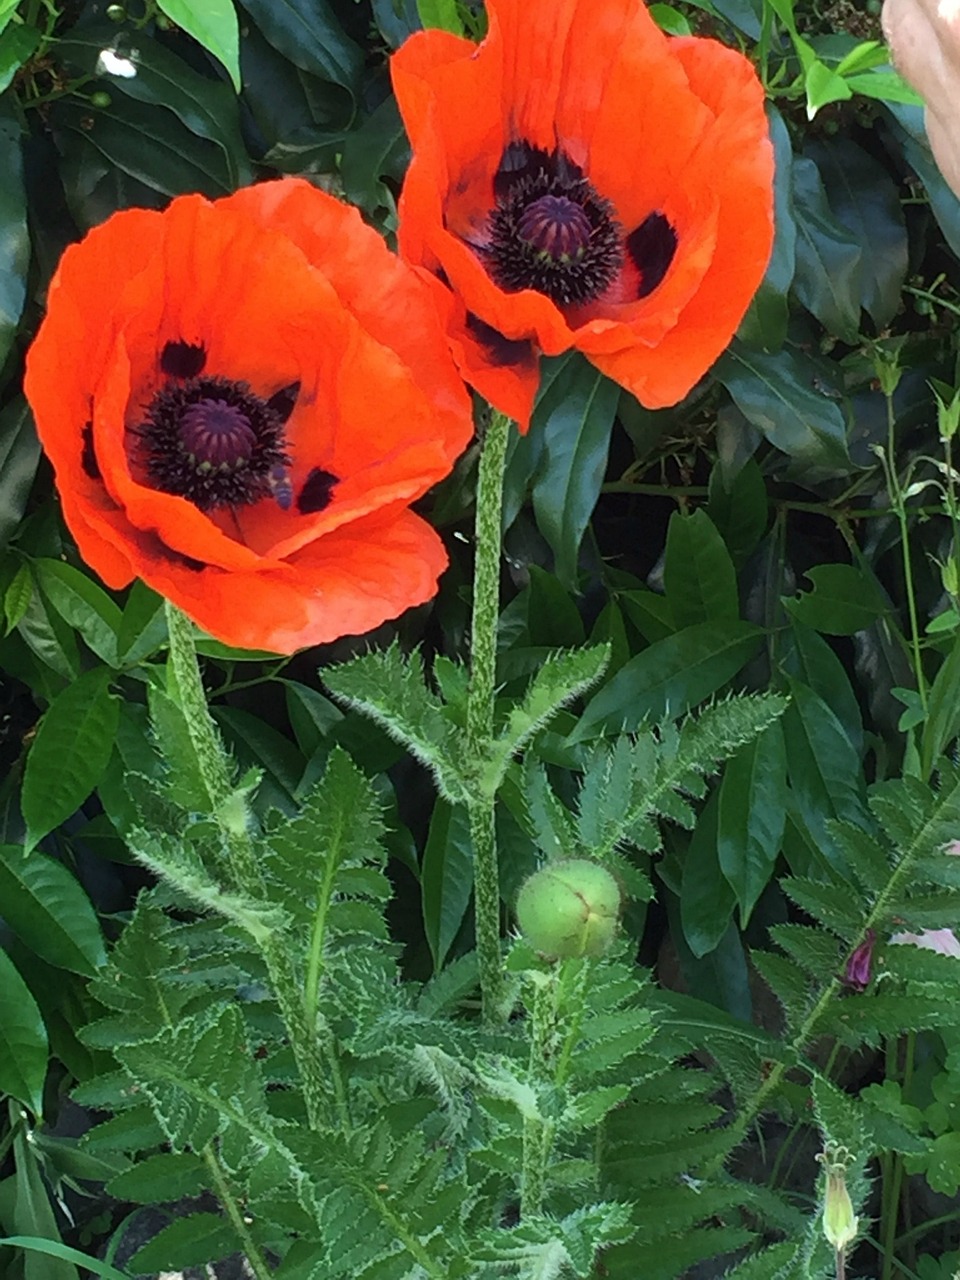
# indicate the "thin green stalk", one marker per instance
pixel 250 1248
pixel 480 706
pixel 900 507
pixel 215 772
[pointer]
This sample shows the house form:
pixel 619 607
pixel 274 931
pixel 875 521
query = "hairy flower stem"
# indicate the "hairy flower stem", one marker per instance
pixel 216 776
pixel 481 806
pixel 538 1132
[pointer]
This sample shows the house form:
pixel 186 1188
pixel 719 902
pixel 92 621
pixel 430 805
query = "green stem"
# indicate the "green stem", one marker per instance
pixel 216 775
pixel 250 1250
pixel 480 706
pixel 538 1132
pixel 900 506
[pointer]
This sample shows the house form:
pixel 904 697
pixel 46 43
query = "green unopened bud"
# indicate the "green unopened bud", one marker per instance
pixel 840 1223
pixel 569 909
pixel 948 412
pixel 949 576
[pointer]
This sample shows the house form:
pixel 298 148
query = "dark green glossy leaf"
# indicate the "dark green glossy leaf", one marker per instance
pixel 670 677
pixel 446 878
pixel 829 258
pixel 706 898
pixel 144 142
pixel 376 150
pixel 865 200
pixel 48 910
pixel 752 816
pixel 14 242
pixel 576 437
pixel 739 509
pixel 19 456
pixel 649 612
pixel 49 638
pixel 69 753
pixel 308 33
pixel 777 394
pixel 912 135
pixel 212 23
pixel 824 769
pixel 143 626
pixel 553 618
pixel 83 604
pixel 205 107
pixel 396 20
pixel 23 1039
pixel 843 600
pixel 807 656
pixel 765 324
pixel 943 702
pixel 698 577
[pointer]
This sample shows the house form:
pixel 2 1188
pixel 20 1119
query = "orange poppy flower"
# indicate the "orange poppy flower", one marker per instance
pixel 579 179
pixel 241 399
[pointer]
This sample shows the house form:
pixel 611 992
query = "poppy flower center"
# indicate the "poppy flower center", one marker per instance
pixel 216 436
pixel 555 227
pixel 212 441
pixel 550 230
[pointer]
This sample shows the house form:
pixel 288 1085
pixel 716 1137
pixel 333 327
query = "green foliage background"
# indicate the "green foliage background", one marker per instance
pixel 789 530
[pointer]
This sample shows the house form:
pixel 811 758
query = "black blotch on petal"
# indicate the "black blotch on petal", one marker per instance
pixel 88 455
pixel 500 350
pixel 652 247
pixel 316 492
pixel 188 562
pixel 183 359
pixel 283 402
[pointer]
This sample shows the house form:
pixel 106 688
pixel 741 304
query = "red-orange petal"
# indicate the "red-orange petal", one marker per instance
pixel 659 125
pixel 346 583
pixel 280 286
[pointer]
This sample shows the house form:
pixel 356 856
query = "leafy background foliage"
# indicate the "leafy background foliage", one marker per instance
pixel 789 530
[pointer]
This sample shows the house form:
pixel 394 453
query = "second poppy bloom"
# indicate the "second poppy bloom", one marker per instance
pixel 581 180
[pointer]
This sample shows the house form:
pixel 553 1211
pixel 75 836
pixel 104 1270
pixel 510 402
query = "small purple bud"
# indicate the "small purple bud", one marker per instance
pixel 856 976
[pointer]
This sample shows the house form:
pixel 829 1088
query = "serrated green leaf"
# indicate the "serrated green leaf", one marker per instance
pixel 189 1241
pixel 163 1177
pixel 561 678
pixel 391 690
pixel 69 753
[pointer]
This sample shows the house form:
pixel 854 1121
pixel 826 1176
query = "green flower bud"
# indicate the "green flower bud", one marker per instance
pixel 100 100
pixel 569 909
pixel 840 1223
